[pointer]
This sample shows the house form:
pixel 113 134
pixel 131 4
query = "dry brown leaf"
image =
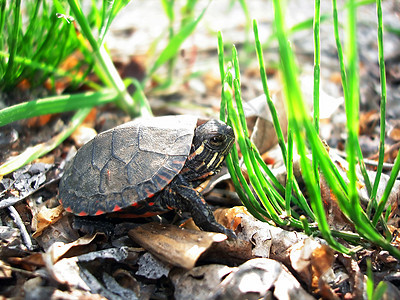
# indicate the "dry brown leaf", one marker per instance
pixel 66 271
pixel 335 217
pixel 80 246
pixel 60 231
pixel 5 271
pixel 44 218
pixel 321 263
pixel 29 263
pixel 229 217
pixel 394 131
pixel 313 262
pixel 261 278
pixel 171 244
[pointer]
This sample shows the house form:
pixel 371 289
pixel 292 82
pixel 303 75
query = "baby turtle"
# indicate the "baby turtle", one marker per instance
pixel 147 167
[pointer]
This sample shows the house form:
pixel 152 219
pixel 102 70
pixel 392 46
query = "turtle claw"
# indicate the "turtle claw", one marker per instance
pixel 216 227
pixel 231 235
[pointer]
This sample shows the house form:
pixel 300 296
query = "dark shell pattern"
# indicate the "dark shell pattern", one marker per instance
pixel 126 164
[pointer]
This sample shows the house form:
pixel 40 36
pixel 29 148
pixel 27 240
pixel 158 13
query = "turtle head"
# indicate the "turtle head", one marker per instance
pixel 211 143
pixel 215 136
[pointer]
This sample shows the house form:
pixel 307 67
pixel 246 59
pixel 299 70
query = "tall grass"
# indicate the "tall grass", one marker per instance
pixel 267 201
pixel 55 31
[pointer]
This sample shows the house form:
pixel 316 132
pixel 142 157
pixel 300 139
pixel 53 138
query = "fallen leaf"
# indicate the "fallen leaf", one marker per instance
pixel 261 278
pixel 29 263
pixel 80 246
pixel 174 245
pixel 44 218
pixel 229 217
pixel 5 270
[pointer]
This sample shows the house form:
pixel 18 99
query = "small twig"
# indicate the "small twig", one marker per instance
pixel 20 224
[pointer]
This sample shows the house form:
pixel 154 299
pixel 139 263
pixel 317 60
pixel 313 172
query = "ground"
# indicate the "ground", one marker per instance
pixel 149 260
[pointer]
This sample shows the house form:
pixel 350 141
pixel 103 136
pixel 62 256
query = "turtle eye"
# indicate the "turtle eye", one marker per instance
pixel 217 140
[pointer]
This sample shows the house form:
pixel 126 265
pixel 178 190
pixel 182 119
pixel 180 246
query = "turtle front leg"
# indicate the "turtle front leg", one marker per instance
pixel 183 197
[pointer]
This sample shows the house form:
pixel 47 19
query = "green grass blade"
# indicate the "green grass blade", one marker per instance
pixel 289 175
pixel 221 65
pixel 168 6
pixel 281 140
pixel 317 63
pixel 383 101
pixel 317 71
pixel 246 157
pixel 116 6
pixel 13 39
pixel 387 191
pixel 352 105
pixel 105 67
pixel 175 43
pixel 55 104
pixel 39 150
pixel 278 130
pixel 299 118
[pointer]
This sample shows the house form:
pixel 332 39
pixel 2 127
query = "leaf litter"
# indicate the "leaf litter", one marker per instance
pixel 153 261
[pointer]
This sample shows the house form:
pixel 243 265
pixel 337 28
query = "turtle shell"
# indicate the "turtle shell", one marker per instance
pixel 126 164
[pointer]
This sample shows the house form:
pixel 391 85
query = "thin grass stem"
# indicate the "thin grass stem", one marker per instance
pixel 382 102
pixel 39 150
pixel 274 114
pixel 56 104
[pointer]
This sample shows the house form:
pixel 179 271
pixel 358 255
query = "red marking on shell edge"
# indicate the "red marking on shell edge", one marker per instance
pixel 177 162
pixel 135 204
pixel 99 212
pixel 83 214
pixel 151 203
pixel 163 178
pixel 116 208
pixel 149 194
pixel 68 209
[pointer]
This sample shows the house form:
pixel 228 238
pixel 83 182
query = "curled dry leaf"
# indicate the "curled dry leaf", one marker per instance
pixel 229 217
pixel 80 246
pixel 269 241
pixel 260 278
pixel 60 231
pixel 66 271
pixel 322 259
pixel 44 218
pixel 171 244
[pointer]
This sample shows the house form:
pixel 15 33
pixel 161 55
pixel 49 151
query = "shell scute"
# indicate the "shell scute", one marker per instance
pixel 127 164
